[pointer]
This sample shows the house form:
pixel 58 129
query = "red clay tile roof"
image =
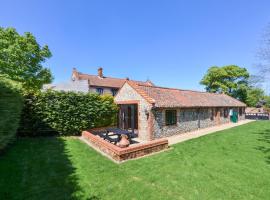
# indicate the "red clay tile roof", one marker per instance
pixel 141 92
pixel 95 80
pixel 170 97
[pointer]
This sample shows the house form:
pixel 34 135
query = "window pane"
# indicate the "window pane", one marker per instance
pixel 99 90
pixel 114 91
pixel 170 117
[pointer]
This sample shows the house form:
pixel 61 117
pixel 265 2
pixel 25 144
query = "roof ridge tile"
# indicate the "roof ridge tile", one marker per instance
pixel 172 97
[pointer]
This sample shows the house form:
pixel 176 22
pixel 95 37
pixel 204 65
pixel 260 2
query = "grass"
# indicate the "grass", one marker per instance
pixel 231 164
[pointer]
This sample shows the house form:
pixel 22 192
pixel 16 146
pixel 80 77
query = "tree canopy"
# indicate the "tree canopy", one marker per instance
pixel 254 96
pixel 21 59
pixel 231 79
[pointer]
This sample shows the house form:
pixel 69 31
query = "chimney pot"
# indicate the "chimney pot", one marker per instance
pixel 75 74
pixel 100 72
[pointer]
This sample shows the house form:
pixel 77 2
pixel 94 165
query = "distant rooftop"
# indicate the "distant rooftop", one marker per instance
pixel 100 80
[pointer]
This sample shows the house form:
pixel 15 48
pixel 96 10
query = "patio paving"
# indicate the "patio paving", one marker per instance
pixel 201 132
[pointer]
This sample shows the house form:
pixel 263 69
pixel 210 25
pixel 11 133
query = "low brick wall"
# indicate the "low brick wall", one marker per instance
pixel 121 154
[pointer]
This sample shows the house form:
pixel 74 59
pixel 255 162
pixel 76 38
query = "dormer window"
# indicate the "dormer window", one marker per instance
pixel 99 91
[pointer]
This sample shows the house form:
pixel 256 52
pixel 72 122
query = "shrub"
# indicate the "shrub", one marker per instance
pixel 10 109
pixel 67 113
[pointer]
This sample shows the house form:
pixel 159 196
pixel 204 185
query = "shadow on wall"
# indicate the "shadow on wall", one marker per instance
pixel 39 168
pixel 265 138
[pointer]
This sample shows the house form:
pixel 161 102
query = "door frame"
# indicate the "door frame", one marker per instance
pixel 132 102
pixel 218 116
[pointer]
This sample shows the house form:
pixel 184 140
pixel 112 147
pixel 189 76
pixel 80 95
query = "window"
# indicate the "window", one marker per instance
pixel 226 112
pixel 231 112
pixel 183 113
pixel 114 91
pixel 170 117
pixel 99 90
pixel 240 111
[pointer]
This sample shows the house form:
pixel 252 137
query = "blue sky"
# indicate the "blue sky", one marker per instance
pixel 172 43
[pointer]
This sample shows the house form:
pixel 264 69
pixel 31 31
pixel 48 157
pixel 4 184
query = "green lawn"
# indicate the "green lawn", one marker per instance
pixel 232 164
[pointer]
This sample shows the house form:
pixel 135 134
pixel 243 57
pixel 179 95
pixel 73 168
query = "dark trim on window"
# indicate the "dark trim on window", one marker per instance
pixel 240 111
pixel 170 117
pixel 114 91
pixel 99 90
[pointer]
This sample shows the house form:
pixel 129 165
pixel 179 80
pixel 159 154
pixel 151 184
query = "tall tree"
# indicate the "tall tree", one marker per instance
pixel 231 79
pixel 21 59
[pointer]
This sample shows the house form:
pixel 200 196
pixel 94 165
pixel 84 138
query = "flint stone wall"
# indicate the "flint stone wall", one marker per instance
pixel 187 120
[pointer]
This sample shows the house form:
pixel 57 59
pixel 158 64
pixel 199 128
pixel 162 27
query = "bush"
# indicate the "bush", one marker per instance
pixel 10 109
pixel 65 113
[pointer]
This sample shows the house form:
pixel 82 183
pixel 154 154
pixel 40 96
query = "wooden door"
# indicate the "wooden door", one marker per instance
pixel 217 116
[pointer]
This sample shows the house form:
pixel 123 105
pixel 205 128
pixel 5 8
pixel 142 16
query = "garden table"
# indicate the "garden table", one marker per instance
pixel 118 131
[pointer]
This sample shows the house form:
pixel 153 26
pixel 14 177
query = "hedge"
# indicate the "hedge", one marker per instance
pixel 11 102
pixel 65 113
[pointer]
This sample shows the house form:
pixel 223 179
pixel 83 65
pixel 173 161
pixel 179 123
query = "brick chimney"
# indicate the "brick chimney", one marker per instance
pixel 75 74
pixel 100 72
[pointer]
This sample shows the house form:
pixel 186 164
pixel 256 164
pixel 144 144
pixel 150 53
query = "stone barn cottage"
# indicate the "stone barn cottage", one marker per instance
pixel 157 112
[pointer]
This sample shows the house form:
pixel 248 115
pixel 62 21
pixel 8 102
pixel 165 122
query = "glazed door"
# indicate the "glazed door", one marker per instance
pixel 128 116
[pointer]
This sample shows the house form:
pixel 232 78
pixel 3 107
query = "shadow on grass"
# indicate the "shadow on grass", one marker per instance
pixel 265 138
pixel 39 168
